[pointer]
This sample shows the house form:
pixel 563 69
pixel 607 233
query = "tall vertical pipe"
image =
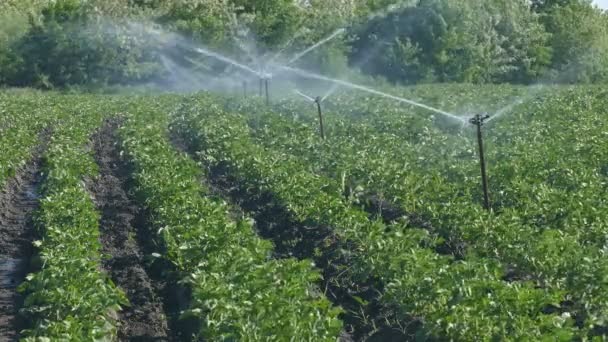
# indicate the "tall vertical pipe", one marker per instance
pixel 318 102
pixel 478 120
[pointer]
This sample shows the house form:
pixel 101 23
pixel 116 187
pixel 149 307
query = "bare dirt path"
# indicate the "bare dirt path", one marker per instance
pixel 145 320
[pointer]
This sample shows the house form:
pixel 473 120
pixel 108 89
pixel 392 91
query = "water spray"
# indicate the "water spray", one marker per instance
pixel 225 60
pixel 264 79
pixel 308 74
pixel 478 120
pixel 304 95
pixel 313 47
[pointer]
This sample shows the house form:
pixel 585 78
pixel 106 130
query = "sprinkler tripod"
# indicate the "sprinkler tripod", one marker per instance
pixel 478 121
pixel 318 102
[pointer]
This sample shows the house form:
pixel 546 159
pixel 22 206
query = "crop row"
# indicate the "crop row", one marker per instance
pixel 21 121
pixel 69 298
pixel 549 226
pixel 464 300
pixel 238 291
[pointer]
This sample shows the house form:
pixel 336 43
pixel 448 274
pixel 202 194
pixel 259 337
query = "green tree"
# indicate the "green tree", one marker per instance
pixel 208 21
pixel 579 38
pixel 14 24
pixel 457 40
pixel 274 21
pixel 75 44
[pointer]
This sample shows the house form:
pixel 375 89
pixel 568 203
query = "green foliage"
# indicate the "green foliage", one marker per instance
pixel 80 47
pixel 274 21
pixel 548 224
pixel 533 268
pixel 20 123
pixel 237 292
pixel 210 22
pixel 217 23
pixel 455 299
pixel 93 43
pixel 13 25
pixel 581 51
pixel 69 298
pixel 463 41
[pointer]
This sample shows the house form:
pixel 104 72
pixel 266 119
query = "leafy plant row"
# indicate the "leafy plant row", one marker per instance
pixel 20 122
pixel 70 298
pixel 238 291
pixel 549 226
pixel 462 300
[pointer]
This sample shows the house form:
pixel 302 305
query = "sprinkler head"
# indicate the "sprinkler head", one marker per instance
pixel 478 119
pixel 318 99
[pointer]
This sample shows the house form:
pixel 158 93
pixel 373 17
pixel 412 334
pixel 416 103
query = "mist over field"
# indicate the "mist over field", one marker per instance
pixel 93 44
pixel 601 3
pixel 303 170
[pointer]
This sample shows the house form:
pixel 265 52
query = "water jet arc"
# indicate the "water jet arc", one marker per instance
pixel 307 74
pixel 321 42
pixel 304 95
pixel 226 60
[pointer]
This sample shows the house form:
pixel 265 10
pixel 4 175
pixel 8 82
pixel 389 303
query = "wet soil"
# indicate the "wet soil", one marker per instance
pixel 365 319
pixel 18 202
pixel 121 236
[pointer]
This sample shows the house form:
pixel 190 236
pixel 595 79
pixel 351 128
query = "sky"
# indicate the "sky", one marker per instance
pixel 602 3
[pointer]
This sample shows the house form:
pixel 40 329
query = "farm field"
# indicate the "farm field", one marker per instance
pixel 216 218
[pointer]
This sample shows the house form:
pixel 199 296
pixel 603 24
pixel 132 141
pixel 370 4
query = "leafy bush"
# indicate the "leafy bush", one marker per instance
pixel 74 45
pixel 463 41
pixel 63 43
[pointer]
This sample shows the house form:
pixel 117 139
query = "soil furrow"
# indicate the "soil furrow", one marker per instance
pixel 145 319
pixel 18 201
pixel 365 318
pixel 303 240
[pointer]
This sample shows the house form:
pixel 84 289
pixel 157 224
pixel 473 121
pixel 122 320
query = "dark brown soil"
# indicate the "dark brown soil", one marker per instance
pixel 364 320
pixel 18 201
pixel 306 240
pixel 145 319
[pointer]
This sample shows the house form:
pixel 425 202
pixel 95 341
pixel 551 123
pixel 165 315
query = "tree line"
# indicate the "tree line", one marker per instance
pixel 63 43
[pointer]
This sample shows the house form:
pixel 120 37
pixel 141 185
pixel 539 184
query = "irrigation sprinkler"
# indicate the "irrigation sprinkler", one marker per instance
pixel 245 89
pixel 350 85
pixel 318 102
pixel 478 121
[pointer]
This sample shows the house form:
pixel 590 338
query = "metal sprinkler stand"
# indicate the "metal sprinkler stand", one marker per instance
pixel 318 102
pixel 245 89
pixel 478 121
